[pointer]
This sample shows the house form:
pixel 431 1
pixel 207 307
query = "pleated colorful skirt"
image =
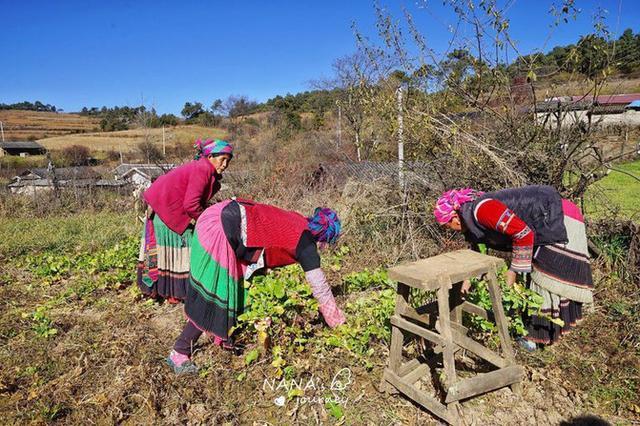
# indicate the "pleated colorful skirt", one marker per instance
pixel 562 276
pixel 163 261
pixel 216 294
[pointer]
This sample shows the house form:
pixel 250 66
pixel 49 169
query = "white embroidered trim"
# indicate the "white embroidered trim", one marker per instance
pixel 475 212
pixel 243 224
pixel 251 269
pixel 520 235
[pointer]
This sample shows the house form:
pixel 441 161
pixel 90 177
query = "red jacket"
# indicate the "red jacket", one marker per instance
pixel 275 229
pixel 182 194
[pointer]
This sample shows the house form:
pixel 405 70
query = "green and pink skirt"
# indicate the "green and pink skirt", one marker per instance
pixel 163 261
pixel 216 294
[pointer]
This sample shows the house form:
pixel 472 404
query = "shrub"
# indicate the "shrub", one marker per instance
pixel 150 152
pixel 76 155
pixel 113 155
pixel 208 119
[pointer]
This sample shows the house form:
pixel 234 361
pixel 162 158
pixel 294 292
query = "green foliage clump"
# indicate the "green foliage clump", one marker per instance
pixel 85 232
pixel 281 308
pixel 42 324
pixel 310 101
pixel 367 322
pixel 591 55
pixel 120 118
pixel 280 304
pixel 517 301
pixel 116 260
pixel 366 280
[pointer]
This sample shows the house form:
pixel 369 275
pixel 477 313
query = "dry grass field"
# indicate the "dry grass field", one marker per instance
pixel 563 85
pixel 128 140
pixel 58 130
pixel 29 125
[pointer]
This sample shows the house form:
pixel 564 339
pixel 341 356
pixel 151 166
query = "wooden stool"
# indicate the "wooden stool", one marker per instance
pixel 442 273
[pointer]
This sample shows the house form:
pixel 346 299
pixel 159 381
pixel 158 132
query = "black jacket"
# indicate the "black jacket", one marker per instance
pixel 540 207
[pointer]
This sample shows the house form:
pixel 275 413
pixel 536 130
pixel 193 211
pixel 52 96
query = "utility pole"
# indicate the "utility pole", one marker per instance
pixel 164 151
pixel 400 139
pixel 2 131
pixel 339 125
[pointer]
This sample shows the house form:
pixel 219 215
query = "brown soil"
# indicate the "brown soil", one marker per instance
pixel 106 365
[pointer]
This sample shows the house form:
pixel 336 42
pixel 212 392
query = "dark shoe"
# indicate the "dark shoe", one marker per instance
pixel 527 344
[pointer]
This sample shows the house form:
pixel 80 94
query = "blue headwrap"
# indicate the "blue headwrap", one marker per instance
pixel 325 225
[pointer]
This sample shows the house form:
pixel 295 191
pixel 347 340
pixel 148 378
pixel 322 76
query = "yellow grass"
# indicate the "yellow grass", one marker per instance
pixel 128 140
pixel 564 86
pixel 24 125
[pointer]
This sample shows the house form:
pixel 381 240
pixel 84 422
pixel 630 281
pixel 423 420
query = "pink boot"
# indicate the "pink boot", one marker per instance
pixel 223 343
pixel 181 363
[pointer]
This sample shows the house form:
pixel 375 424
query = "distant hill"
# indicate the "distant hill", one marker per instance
pixel 58 130
pixel 128 140
pixel 23 125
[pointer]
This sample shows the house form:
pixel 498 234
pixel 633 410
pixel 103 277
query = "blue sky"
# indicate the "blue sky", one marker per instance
pixel 160 53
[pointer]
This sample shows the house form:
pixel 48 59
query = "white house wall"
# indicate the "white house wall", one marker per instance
pixel 630 118
pixel 139 180
pixel 30 190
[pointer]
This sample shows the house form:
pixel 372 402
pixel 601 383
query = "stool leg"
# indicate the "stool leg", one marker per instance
pixel 455 300
pixel 445 331
pixel 397 335
pixel 448 356
pixel 501 323
pixel 397 338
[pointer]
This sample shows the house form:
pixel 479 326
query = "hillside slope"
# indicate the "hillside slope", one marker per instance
pixel 128 140
pixel 31 125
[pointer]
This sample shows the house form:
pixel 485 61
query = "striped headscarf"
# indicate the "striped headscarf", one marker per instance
pixel 324 225
pixel 212 147
pixel 450 201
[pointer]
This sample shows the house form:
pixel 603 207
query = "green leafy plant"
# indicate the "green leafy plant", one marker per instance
pixel 366 280
pixel 116 260
pixel 42 324
pixel 279 307
pixel 335 410
pixel 367 315
pixel 50 267
pixel 517 301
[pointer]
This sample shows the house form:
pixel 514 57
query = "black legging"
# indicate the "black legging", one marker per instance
pixel 187 339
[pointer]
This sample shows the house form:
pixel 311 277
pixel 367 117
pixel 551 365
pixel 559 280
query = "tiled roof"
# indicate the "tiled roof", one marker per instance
pixel 21 145
pixel 153 169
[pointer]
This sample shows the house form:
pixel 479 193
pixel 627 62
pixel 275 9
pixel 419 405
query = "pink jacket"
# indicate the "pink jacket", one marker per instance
pixel 181 195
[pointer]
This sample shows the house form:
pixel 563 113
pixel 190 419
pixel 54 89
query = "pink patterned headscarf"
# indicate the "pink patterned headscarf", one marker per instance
pixel 212 147
pixel 451 201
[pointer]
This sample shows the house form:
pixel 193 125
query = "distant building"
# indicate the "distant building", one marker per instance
pixel 21 148
pixel 141 174
pixel 604 100
pixel 34 181
pixel 604 110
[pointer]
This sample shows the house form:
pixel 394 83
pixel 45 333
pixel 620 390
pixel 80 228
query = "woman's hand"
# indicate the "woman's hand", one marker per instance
pixel 466 285
pixel 332 314
pixel 326 302
pixel 511 278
